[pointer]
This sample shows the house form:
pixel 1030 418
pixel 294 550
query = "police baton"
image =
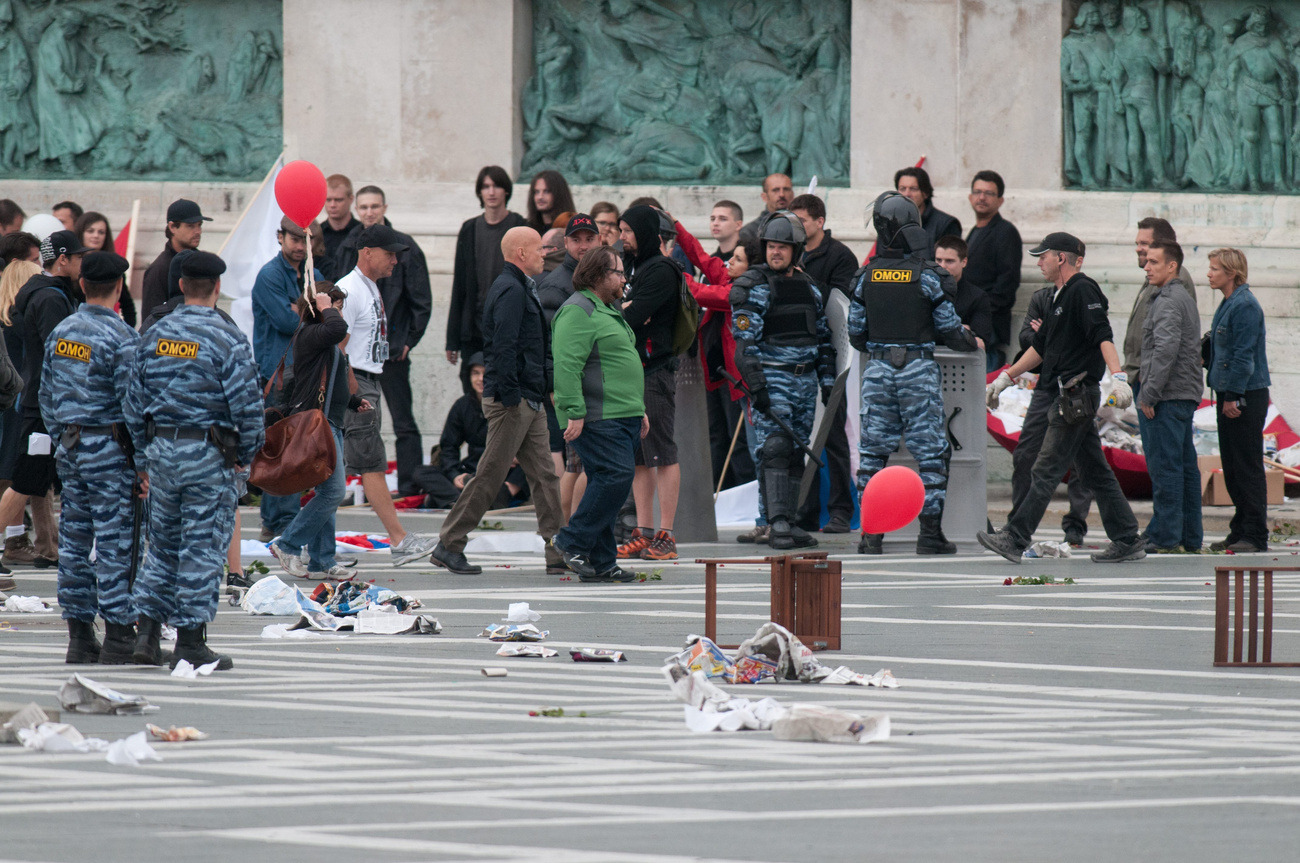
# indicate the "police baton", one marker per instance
pixel 137 527
pixel 785 426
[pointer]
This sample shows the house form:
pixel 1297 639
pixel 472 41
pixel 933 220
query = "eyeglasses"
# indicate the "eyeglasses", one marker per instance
pixel 606 224
pixel 984 193
pixel 620 273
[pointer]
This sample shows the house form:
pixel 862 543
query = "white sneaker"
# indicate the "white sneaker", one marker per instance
pixel 291 563
pixel 335 573
pixel 412 547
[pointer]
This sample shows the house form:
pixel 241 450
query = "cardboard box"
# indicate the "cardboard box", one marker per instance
pixel 1214 491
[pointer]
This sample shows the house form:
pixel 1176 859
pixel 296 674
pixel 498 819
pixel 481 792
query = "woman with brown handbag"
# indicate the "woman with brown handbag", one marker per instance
pixel 321 378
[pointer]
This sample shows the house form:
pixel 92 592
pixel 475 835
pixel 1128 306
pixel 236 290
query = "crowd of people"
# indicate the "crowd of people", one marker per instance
pixel 569 328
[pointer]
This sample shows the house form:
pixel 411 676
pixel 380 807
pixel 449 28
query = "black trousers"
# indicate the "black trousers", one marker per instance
pixel 1026 453
pixel 836 455
pixel 395 381
pixel 1241 447
pixel 723 416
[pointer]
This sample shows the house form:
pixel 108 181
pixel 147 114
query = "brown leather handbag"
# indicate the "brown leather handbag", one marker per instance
pixel 299 453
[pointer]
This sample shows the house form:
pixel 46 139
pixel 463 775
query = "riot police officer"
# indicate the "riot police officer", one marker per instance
pixel 84 379
pixel 784 353
pixel 194 400
pixel 897 308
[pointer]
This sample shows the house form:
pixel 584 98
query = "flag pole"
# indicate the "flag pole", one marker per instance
pixel 260 187
pixel 133 227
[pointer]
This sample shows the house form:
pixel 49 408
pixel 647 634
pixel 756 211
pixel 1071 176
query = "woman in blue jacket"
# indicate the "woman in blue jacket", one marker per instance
pixel 1238 366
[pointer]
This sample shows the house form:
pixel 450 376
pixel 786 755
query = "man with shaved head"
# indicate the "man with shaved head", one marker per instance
pixel 778 191
pixel 515 385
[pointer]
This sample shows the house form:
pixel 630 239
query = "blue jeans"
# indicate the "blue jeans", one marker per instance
pixel 1175 478
pixel 608 450
pixel 313 526
pixel 278 511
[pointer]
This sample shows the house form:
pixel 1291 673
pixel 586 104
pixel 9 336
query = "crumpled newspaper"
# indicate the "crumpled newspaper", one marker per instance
pixel 537 650
pixel 829 725
pixel 58 737
pixel 284 630
pixel 596 654
pixel 129 752
pixel 519 612
pixel 83 695
pixel 24 605
pixel 513 632
pixel 1048 548
pixel 28 717
pixel 794 661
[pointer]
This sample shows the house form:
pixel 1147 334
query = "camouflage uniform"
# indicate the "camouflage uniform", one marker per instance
pixel 789 354
pixel 84 381
pixel 193 371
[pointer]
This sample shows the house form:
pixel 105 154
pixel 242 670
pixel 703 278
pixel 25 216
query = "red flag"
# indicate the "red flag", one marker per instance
pixel 123 236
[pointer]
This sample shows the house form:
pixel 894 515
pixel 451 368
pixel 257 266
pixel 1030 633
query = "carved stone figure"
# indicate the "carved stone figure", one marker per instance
pixel 1259 69
pixel 69 122
pixel 687 90
pixel 18 138
pixel 1138 59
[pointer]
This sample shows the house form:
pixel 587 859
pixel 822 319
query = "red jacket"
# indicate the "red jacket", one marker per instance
pixel 714 298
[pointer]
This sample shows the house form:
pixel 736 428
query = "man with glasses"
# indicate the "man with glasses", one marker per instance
pixel 993 258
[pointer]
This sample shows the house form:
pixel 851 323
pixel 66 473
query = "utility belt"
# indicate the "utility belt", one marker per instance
pixel 73 432
pixel 793 368
pixel 225 440
pixel 899 356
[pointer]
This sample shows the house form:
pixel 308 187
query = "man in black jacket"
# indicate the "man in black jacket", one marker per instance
pixel 339 223
pixel 408 305
pixel 42 303
pixel 653 297
pixel 515 383
pixel 915 184
pixel 831 265
pixel 994 258
pixel 184 230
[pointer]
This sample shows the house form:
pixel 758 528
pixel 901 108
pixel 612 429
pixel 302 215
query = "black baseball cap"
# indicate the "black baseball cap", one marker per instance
pixel 103 267
pixel 1058 242
pixel 202 265
pixel 580 222
pixel 185 212
pixel 380 236
pixel 61 243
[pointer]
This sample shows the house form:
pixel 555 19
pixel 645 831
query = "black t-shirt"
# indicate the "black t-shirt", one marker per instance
pixel 1069 341
pixel 487 255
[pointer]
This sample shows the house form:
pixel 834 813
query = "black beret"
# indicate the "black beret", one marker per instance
pixel 103 267
pixel 202 265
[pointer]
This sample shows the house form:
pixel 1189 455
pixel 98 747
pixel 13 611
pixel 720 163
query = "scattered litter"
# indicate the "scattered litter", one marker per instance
pixel 387 620
pixel 270 595
pixel 1047 548
pixel 494 672
pixel 58 737
pixel 29 716
pixel 701 654
pixel 537 650
pixel 519 612
pixel 185 669
pixel 176 735
pixel 25 605
pixel 554 711
pixel 596 654
pixel 283 630
pixel 167 633
pixel 83 695
pixel 131 751
pixel 1036 579
pixel 828 725
pixel 513 632
pixel 506 542
pixel 773 653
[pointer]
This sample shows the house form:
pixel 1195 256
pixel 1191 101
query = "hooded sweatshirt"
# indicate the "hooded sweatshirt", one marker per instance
pixel 43 303
pixel 653 290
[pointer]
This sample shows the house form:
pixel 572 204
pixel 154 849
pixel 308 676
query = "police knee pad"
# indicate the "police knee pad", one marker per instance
pixel 777 451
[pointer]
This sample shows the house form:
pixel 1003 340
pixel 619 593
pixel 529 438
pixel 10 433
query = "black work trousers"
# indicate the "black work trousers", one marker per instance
pixel 1241 447
pixel 1074 446
pixel 395 381
pixel 1026 453
pixel 836 455
pixel 723 416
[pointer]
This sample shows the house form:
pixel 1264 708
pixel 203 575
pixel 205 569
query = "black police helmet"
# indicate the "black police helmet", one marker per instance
pixel 783 226
pixel 891 213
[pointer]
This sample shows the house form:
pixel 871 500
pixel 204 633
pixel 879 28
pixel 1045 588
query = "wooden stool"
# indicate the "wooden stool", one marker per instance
pixel 1221 608
pixel 805 597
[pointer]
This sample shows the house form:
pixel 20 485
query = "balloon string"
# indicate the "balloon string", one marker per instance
pixel 309 279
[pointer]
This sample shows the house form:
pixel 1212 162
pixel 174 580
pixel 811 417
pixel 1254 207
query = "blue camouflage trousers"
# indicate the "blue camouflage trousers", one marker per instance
pixel 905 405
pixel 794 399
pixel 96 512
pixel 191 519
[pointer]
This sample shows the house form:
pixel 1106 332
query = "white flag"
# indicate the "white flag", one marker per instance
pixel 250 245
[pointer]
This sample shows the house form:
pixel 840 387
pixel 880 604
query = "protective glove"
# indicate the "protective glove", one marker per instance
pixel 826 394
pixel 760 399
pixel 1121 394
pixel 993 390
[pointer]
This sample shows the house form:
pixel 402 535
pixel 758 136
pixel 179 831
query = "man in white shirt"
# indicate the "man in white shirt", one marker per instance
pixel 367 349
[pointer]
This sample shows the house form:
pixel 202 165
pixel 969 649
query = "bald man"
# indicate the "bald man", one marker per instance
pixel 778 192
pixel 515 351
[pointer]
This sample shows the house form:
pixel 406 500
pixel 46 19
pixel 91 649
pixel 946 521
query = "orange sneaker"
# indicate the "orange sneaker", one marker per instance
pixel 662 547
pixel 632 549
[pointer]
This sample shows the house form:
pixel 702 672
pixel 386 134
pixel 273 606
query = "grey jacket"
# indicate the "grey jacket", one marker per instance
pixel 1171 347
pixel 1133 335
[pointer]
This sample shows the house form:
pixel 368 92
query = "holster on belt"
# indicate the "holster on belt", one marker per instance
pixel 227 442
pixel 71 437
pixel 897 356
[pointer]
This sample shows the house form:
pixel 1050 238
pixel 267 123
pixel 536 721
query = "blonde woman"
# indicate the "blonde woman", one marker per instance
pixel 11 358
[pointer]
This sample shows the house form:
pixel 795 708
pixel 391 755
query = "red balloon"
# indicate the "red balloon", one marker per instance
pixel 300 192
pixel 892 498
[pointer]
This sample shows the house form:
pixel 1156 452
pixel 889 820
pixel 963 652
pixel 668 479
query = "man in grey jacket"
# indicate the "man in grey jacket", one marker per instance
pixel 1150 230
pixel 1171 392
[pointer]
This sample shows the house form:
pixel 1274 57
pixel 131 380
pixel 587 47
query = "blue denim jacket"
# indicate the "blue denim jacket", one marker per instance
pixel 1240 362
pixel 275 320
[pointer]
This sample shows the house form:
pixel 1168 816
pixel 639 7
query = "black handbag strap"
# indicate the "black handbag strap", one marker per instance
pixel 329 392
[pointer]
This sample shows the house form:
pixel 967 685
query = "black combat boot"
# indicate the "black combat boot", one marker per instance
pixel 192 646
pixel 798 535
pixel 119 644
pixel 931 539
pixel 83 646
pixel 871 543
pixel 776 488
pixel 148 643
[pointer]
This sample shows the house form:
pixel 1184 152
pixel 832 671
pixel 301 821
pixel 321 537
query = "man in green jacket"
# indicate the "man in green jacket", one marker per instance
pixel 599 393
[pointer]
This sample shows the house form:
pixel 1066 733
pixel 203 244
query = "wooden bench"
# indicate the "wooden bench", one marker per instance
pixel 1255 657
pixel 805 596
